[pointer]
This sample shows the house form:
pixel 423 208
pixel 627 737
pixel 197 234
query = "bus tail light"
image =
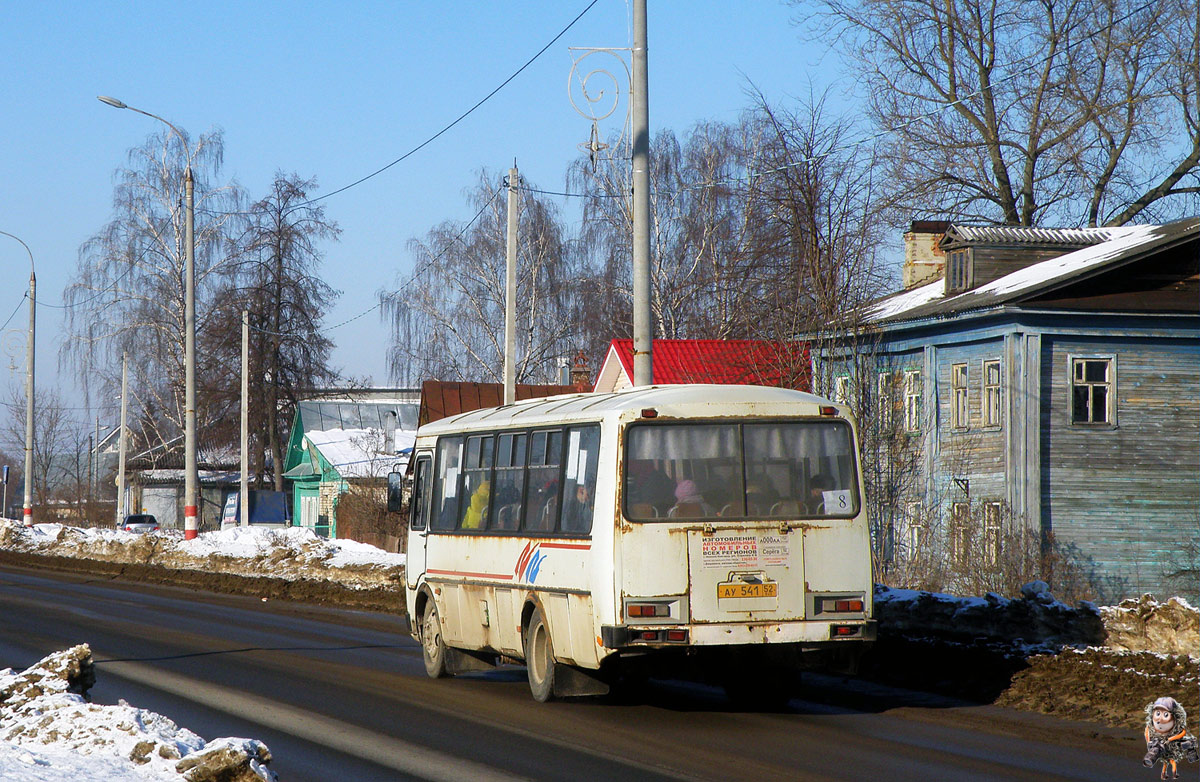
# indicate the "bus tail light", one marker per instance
pixel 649 412
pixel 844 631
pixel 647 635
pixel 647 609
pixel 840 605
pixel 826 410
pixel 679 636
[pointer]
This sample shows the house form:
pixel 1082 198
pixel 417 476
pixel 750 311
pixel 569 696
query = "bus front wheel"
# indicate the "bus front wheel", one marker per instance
pixel 433 647
pixel 539 658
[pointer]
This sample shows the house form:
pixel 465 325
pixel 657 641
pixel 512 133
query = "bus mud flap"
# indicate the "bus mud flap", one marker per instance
pixel 570 682
pixel 465 661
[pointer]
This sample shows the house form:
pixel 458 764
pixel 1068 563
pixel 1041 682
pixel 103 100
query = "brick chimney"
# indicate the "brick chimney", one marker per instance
pixel 581 377
pixel 924 260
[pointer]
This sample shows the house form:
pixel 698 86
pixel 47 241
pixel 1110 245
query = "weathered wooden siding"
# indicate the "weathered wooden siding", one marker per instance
pixel 1127 495
pixel 975 453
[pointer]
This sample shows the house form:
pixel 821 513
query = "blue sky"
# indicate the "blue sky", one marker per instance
pixel 336 91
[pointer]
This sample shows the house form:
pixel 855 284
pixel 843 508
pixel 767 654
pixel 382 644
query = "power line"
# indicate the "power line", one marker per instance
pixel 414 274
pixel 460 117
pixel 15 311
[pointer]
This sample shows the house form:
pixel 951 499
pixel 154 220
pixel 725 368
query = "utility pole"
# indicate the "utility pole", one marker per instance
pixel 121 509
pixel 244 488
pixel 643 329
pixel 510 293
pixel 93 516
pixel 190 490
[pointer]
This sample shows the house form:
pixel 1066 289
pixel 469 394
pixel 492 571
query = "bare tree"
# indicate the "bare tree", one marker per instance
pixel 276 282
pixel 128 291
pixel 56 443
pixel 448 318
pixel 1028 113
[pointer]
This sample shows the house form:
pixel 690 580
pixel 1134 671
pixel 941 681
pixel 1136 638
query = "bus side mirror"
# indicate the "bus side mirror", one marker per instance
pixel 395 492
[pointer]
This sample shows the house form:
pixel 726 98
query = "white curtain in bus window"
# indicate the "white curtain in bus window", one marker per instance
pixel 545 466
pixel 702 460
pixel 445 497
pixel 477 482
pixel 510 481
pixel 579 493
pixel 801 468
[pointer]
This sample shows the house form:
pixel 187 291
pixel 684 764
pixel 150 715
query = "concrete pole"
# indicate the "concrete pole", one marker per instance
pixel 122 511
pixel 510 294
pixel 95 482
pixel 643 329
pixel 29 398
pixel 244 513
pixel 190 525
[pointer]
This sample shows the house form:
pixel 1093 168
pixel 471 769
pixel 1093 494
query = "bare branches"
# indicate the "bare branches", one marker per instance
pixel 1030 113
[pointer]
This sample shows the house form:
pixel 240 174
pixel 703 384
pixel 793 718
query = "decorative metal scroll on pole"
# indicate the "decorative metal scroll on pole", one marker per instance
pixel 588 91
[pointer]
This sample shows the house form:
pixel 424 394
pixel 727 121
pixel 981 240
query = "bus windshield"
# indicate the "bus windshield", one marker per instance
pixel 775 469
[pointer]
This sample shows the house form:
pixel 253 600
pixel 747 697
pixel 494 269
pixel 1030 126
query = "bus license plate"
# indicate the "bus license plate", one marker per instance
pixel 746 590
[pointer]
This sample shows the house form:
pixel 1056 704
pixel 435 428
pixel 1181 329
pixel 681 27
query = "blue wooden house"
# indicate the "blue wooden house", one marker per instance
pixel 1047 382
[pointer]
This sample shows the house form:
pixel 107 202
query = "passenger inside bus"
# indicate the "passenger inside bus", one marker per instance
pixel 689 502
pixel 817 487
pixel 577 513
pixel 477 510
pixel 649 489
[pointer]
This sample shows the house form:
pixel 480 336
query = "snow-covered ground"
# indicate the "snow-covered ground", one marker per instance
pixel 291 553
pixel 50 733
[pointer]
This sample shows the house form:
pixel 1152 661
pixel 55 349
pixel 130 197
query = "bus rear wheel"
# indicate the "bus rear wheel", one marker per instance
pixel 433 647
pixel 539 658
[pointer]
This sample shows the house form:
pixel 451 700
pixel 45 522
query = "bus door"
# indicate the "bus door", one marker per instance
pixel 414 565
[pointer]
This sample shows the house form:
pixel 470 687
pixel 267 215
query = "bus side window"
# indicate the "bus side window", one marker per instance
pixel 541 501
pixel 446 494
pixel 477 482
pixel 510 481
pixel 419 501
pixel 579 494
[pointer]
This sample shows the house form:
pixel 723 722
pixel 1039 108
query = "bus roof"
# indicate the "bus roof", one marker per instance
pixel 669 400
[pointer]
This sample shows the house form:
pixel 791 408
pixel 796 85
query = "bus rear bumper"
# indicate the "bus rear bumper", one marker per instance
pixel 729 634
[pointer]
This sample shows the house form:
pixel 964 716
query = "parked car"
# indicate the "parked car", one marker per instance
pixel 140 523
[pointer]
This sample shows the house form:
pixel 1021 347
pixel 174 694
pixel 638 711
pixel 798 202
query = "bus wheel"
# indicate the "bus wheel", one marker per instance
pixel 539 658
pixel 433 647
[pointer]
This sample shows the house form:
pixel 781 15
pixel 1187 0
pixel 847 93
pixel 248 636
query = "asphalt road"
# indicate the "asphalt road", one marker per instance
pixel 342 695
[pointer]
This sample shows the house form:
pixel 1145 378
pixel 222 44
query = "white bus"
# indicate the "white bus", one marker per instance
pixel 712 529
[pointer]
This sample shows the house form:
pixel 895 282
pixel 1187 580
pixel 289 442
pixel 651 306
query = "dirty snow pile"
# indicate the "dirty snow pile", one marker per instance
pixel 50 733
pixel 290 553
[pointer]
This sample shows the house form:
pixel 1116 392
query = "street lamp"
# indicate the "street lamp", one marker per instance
pixel 189 330
pixel 28 508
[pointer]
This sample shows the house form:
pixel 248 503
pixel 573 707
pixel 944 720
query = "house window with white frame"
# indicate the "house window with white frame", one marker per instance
pixel 992 531
pixel 914 530
pixel 1092 399
pixel 912 400
pixel 991 393
pixel 960 537
pixel 959 411
pixel 886 402
pixel 841 389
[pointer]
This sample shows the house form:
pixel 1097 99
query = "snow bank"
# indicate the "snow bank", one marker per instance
pixel 50 733
pixel 1035 619
pixel 290 553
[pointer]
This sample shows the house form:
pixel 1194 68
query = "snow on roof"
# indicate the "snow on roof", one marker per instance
pixel 907 300
pixel 361 453
pixel 1125 243
pixel 1024 235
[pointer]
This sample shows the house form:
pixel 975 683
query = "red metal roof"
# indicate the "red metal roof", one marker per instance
pixel 726 361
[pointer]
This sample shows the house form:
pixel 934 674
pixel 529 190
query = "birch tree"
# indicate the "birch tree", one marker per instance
pixel 447 318
pixel 127 295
